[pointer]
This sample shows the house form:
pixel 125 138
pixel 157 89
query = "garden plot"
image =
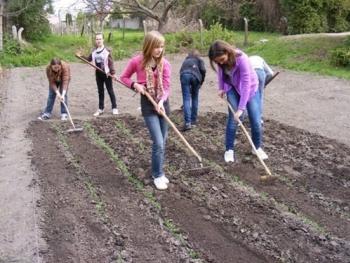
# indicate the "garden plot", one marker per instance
pixel 99 204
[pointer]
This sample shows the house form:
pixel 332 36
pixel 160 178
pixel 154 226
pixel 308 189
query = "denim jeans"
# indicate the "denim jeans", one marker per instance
pixel 262 78
pixel 254 114
pixel 190 88
pixel 51 102
pixel 158 128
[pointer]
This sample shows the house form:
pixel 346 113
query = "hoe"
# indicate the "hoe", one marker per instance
pixel 269 176
pixel 75 129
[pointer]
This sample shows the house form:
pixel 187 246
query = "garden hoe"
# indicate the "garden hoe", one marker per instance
pixel 270 79
pixel 162 113
pixel 75 129
pixel 269 176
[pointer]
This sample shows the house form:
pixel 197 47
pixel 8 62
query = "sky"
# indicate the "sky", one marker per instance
pixel 72 6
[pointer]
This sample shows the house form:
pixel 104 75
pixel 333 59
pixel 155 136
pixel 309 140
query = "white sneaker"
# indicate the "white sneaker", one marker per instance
pixel 229 156
pixel 165 179
pixel 160 184
pixel 115 111
pixel 98 113
pixel 261 153
pixel 64 117
pixel 44 117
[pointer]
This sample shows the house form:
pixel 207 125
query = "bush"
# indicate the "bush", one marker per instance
pixel 11 46
pixel 217 31
pixel 316 16
pixel 341 56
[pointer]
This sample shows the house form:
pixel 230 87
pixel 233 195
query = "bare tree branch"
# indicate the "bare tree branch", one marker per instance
pixel 154 11
pixel 18 12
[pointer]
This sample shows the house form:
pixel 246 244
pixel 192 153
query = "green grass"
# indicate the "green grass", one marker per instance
pixel 303 54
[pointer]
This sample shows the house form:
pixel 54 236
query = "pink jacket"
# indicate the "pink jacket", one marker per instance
pixel 135 66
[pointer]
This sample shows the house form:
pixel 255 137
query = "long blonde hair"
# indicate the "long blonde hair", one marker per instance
pixel 152 40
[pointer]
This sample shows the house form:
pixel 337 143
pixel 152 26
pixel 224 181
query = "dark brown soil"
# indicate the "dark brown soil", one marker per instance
pixel 100 205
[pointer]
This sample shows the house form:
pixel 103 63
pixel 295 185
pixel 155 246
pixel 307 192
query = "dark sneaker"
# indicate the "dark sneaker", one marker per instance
pixel 187 127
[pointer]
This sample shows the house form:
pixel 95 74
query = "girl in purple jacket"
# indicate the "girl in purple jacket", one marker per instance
pixel 239 82
pixel 152 75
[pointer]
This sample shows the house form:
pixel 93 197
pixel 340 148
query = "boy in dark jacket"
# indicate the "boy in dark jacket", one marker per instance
pixel 192 75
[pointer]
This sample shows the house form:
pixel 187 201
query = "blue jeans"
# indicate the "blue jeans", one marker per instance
pixel 262 78
pixel 158 128
pixel 190 88
pixel 254 114
pixel 51 102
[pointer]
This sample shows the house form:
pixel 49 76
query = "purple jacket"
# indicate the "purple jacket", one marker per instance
pixel 243 79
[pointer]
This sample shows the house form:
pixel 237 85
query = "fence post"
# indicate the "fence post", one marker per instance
pixel 144 27
pixel 201 30
pixel 14 32
pixel 123 28
pixel 245 31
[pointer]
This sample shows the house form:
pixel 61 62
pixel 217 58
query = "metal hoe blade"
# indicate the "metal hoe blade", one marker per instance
pixel 75 130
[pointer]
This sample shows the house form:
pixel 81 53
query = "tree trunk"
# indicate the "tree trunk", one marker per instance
pixel 161 25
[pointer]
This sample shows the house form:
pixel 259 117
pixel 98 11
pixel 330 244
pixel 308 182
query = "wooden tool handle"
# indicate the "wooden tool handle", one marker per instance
pixel 162 113
pixel 249 139
pixel 70 118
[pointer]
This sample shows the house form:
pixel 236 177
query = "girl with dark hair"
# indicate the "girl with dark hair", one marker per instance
pixel 238 80
pixel 58 75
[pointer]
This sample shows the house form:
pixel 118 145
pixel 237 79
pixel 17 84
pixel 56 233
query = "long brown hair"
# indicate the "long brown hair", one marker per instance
pixel 153 39
pixel 219 48
pixel 52 74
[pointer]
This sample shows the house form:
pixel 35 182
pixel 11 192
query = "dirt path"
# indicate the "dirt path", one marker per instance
pixel 314 103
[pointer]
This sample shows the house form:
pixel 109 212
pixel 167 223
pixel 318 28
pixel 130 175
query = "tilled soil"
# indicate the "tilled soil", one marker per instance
pixel 312 190
pixel 100 205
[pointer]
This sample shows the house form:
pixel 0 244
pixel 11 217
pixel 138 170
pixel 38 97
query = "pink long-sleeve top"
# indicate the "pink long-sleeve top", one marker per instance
pixel 242 77
pixel 135 66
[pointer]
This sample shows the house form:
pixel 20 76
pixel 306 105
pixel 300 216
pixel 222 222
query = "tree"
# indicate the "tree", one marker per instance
pixel 31 15
pixel 101 8
pixel 157 9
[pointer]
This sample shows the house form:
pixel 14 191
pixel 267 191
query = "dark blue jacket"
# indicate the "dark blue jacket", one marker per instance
pixel 195 66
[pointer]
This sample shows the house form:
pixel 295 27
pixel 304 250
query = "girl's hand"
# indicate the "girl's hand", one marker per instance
pixel 139 88
pixel 221 93
pixel 160 106
pixel 237 115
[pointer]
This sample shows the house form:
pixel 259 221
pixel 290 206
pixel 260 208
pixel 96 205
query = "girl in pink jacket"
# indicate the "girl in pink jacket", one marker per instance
pixel 152 76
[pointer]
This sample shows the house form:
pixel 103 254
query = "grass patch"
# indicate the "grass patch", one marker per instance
pixel 302 54
pixel 310 54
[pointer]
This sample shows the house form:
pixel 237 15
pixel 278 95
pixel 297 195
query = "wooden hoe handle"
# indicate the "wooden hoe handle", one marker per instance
pixel 249 139
pixel 162 113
